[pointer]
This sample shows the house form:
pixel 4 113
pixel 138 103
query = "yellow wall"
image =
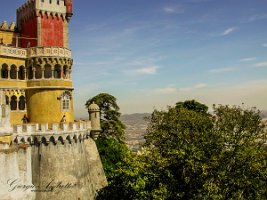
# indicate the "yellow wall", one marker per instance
pixel 50 82
pixel 6 139
pixel 44 106
pixel 9 37
pixel 11 61
pixel 16 117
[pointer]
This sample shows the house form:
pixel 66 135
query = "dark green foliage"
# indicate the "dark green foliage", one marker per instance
pixel 111 124
pixel 192 105
pixel 190 154
pixel 113 154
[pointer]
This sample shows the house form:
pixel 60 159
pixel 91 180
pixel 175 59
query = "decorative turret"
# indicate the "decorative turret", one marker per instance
pixel 94 117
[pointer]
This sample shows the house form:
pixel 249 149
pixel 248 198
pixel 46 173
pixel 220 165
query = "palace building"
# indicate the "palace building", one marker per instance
pixel 36 63
pixel 42 148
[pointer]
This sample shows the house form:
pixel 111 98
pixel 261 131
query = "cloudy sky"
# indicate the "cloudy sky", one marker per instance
pixel 153 53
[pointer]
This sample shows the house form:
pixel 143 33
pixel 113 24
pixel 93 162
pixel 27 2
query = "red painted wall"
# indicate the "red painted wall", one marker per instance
pixel 29 33
pixel 52 31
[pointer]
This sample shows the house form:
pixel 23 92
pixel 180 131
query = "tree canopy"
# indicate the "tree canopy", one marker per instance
pixel 192 105
pixel 190 154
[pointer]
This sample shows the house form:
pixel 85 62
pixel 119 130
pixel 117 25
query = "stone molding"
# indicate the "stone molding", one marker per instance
pixel 49 52
pixel 13 52
pixel 35 52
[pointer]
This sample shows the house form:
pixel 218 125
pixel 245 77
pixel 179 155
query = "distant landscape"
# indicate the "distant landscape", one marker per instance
pixel 135 129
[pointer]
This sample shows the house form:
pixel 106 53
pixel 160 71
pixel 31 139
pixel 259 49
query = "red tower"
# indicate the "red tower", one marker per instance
pixel 44 23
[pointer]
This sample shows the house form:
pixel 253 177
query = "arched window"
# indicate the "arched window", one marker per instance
pixel 4 71
pixel 30 73
pixel 38 72
pixel 13 103
pixel 57 73
pixel 22 103
pixel 21 73
pixel 48 71
pixel 13 72
pixel 65 101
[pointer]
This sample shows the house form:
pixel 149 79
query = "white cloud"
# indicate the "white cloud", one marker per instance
pixel 147 70
pixel 197 86
pixel 257 17
pixel 228 31
pixel 150 70
pixel 247 59
pixel 261 64
pixel 166 90
pixel 223 70
pixel 173 9
pixel 264 44
pixel 200 85
pixel 186 89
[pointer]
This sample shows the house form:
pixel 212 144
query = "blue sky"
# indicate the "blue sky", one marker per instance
pixel 150 54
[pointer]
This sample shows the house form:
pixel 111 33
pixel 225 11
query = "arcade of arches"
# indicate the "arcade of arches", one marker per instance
pixel 39 72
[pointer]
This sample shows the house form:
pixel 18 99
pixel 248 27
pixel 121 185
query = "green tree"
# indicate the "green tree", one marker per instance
pixel 209 157
pixel 192 105
pixel 193 155
pixel 111 124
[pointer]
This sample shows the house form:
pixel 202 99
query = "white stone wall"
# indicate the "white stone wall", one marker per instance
pixel 16 175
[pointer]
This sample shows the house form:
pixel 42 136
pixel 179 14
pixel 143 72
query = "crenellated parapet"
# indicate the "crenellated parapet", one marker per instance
pixel 33 134
pixel 5 27
pixel 43 8
pixel 26 11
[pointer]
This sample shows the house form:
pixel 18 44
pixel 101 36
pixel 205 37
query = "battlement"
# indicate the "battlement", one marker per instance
pixel 5 27
pixel 59 132
pixel 44 7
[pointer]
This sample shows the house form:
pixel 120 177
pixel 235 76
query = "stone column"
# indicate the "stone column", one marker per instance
pixel 24 75
pixel 53 72
pixel 33 73
pixel 8 72
pixel 43 71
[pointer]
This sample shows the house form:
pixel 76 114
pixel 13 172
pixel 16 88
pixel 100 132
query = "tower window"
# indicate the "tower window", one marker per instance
pixel 13 72
pixel 38 72
pixel 21 73
pixel 48 71
pixel 57 73
pixel 22 103
pixel 13 103
pixel 65 102
pixel 4 71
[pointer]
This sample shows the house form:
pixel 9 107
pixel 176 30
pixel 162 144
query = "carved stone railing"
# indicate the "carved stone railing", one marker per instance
pixel 12 52
pixel 41 133
pixel 49 52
